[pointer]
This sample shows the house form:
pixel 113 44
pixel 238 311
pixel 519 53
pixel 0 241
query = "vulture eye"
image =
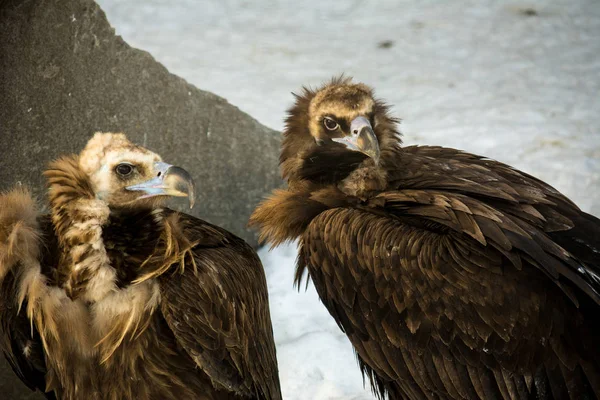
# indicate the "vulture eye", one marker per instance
pixel 330 124
pixel 124 169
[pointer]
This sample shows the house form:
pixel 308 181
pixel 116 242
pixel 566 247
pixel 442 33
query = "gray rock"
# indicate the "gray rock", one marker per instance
pixel 64 75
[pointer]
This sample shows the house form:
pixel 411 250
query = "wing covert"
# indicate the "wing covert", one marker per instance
pixel 218 311
pixel 438 295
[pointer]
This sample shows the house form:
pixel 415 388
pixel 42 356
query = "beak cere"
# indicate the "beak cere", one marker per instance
pixel 168 181
pixel 361 138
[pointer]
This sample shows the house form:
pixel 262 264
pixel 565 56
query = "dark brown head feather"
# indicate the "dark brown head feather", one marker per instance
pixel 299 145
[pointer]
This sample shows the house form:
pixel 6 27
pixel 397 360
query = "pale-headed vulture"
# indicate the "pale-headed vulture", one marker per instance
pixel 453 275
pixel 113 296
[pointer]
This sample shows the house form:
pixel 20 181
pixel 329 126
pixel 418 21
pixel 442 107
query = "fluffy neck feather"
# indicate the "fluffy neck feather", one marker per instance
pixel 19 231
pixel 286 213
pixel 84 269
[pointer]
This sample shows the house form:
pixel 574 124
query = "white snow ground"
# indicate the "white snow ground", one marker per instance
pixel 478 75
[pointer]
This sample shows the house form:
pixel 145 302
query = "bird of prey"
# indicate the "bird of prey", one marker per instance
pixel 113 296
pixel 453 275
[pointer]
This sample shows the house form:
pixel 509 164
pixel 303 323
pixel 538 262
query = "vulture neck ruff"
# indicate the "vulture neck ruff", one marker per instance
pixel 19 230
pixel 78 217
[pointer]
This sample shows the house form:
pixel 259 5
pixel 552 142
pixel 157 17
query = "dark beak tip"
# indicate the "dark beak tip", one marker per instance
pixel 191 198
pixel 190 190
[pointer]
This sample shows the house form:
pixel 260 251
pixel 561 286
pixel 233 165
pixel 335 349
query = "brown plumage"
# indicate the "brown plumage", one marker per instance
pixel 112 296
pixel 454 276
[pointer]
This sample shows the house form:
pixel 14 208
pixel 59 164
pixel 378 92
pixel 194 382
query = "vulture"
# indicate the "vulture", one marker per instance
pixel 454 276
pixel 114 296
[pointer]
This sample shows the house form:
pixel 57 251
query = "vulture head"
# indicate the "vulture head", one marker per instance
pixel 111 180
pixel 332 130
pixel 122 174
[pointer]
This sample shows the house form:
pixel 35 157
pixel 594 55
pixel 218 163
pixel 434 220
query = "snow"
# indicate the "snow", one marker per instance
pixel 484 76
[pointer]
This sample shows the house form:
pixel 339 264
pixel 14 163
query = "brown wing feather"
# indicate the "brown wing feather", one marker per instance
pixel 19 341
pixel 219 312
pixel 414 293
pixel 554 222
pixel 20 233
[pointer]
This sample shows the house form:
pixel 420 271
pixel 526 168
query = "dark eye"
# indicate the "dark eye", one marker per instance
pixel 330 124
pixel 124 169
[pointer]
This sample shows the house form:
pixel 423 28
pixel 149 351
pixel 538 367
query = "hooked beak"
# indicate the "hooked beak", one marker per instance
pixel 168 181
pixel 361 138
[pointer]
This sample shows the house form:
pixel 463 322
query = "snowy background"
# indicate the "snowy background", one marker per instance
pixel 515 81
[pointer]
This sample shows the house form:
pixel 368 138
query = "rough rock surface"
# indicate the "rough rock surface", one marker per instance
pixel 64 75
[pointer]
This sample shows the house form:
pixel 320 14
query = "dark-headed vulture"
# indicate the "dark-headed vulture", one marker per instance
pixel 113 296
pixel 454 276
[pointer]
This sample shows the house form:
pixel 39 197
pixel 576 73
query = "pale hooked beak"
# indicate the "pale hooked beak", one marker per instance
pixel 168 181
pixel 361 138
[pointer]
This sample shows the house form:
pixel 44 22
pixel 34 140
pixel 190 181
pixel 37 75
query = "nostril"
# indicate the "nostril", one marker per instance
pixel 159 173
